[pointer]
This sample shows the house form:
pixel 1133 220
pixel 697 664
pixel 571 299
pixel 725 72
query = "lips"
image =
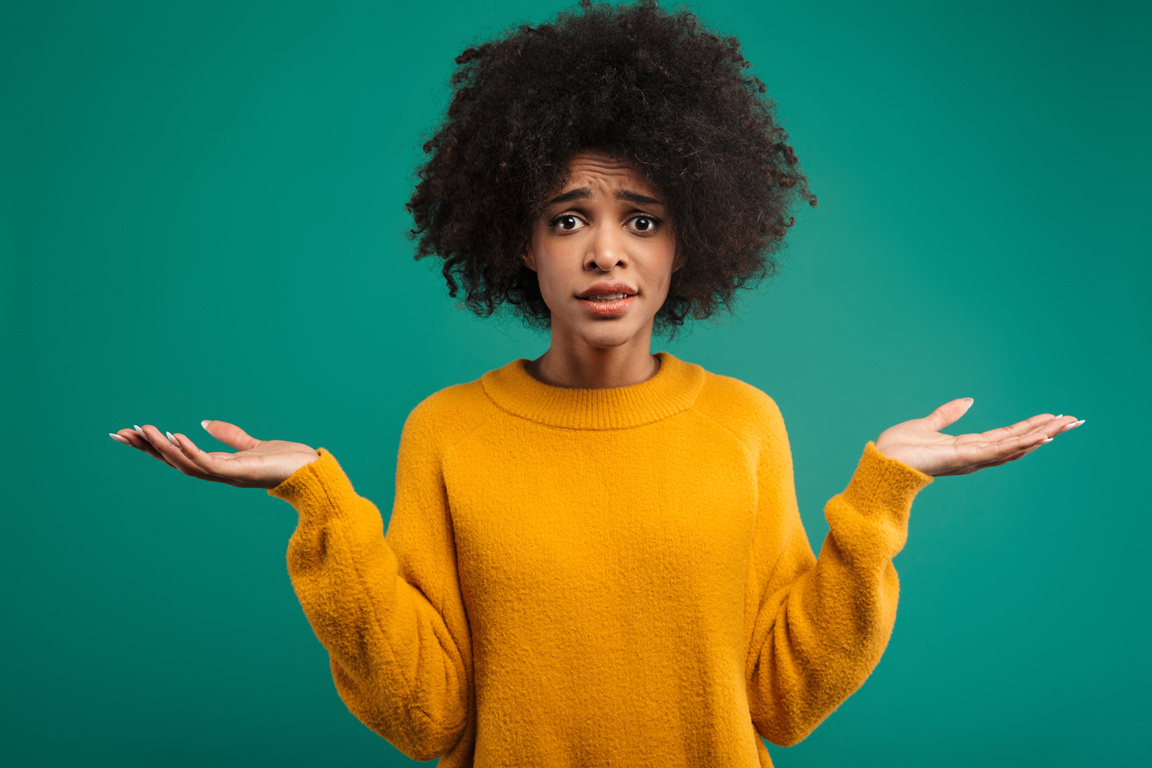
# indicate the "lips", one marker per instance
pixel 611 308
pixel 616 289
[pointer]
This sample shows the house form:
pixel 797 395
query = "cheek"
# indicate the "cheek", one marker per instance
pixel 666 261
pixel 548 277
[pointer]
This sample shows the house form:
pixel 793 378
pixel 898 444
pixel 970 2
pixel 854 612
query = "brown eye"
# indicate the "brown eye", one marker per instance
pixel 645 223
pixel 567 222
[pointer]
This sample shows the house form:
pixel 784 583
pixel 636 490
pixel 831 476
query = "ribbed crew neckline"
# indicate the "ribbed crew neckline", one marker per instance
pixel 673 389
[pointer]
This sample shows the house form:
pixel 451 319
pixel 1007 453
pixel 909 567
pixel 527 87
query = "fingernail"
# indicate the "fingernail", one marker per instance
pixel 205 424
pixel 172 439
pixel 118 439
pixel 1044 442
pixel 1073 425
pixel 143 434
pixel 1059 415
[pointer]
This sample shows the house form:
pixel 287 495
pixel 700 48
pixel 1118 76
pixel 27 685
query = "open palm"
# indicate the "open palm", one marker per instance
pixel 920 444
pixel 257 463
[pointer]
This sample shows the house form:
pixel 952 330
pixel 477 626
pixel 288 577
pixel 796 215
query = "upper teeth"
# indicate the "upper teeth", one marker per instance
pixel 608 297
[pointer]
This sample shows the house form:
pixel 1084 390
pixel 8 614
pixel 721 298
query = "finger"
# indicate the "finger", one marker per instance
pixel 140 441
pixel 208 463
pixel 1022 442
pixel 1006 459
pixel 948 413
pixel 973 455
pixel 230 434
pixel 1013 448
pixel 1057 426
pixel 1050 424
pixel 131 437
pixel 172 454
pixel 1069 427
pixel 1013 457
pixel 968 464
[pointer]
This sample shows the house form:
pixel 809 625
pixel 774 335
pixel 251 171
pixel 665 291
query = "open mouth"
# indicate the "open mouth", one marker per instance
pixel 608 304
pixel 606 297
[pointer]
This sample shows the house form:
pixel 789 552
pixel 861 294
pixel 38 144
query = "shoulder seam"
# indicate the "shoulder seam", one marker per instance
pixel 726 428
pixel 444 448
pixel 475 428
pixel 722 425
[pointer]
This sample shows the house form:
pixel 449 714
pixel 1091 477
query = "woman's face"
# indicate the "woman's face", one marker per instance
pixel 604 234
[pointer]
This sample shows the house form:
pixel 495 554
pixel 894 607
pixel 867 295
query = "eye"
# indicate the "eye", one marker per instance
pixel 566 222
pixel 645 224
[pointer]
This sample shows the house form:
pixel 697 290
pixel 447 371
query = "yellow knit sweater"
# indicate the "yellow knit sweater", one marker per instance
pixel 585 578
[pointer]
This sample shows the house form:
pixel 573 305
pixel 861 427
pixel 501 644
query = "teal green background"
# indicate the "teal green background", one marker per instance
pixel 201 216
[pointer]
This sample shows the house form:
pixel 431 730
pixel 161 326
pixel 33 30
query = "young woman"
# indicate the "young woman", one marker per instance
pixel 595 557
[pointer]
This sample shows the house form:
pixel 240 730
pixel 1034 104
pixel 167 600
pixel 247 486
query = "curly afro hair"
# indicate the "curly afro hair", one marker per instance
pixel 650 87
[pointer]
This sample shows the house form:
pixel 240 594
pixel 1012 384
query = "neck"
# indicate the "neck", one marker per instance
pixel 587 367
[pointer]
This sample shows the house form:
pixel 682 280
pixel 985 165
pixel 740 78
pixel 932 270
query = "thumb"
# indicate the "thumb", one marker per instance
pixel 230 434
pixel 949 413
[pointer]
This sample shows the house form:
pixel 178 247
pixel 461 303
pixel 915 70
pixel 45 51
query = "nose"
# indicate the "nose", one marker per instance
pixel 605 250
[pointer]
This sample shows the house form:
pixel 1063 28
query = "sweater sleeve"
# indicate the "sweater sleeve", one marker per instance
pixel 387 607
pixel 824 622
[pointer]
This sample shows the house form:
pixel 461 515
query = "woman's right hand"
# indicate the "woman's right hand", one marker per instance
pixel 257 463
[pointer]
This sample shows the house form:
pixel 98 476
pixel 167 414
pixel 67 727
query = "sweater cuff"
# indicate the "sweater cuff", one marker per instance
pixel 318 488
pixel 883 483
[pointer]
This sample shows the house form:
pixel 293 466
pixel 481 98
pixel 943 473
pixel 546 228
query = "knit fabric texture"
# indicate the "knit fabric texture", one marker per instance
pixel 595 577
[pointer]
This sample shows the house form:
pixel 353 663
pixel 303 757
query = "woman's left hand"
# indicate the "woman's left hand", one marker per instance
pixel 919 443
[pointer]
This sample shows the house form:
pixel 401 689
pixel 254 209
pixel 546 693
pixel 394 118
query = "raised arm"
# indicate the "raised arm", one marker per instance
pixel 387 608
pixel 824 622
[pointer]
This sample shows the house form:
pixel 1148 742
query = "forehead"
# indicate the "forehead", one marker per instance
pixel 599 170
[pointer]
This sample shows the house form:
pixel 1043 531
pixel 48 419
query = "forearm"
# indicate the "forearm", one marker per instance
pixel 394 661
pixel 821 635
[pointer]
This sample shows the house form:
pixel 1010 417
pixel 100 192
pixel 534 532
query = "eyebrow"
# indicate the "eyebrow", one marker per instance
pixel 583 193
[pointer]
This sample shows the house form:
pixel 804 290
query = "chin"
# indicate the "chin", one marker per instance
pixel 607 338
